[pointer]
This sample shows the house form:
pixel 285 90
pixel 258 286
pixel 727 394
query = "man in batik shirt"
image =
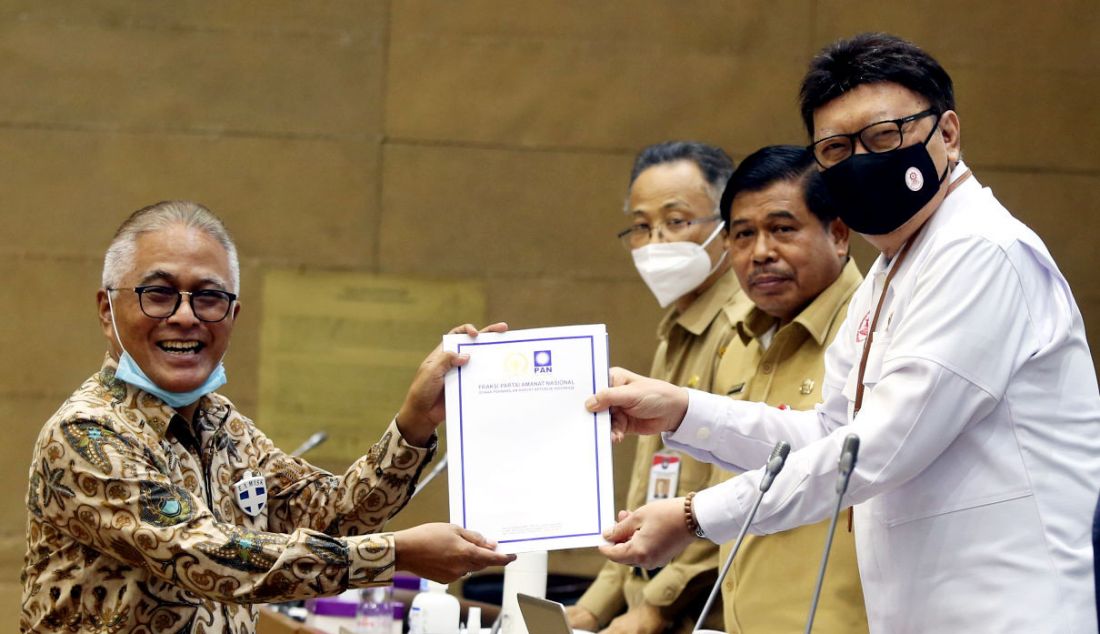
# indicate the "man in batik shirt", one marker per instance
pixel 155 506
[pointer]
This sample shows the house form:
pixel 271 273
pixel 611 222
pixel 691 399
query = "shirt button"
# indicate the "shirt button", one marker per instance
pixel 703 433
pixel 767 368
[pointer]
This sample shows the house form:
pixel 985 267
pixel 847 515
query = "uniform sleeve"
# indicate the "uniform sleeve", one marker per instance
pixel 946 365
pixel 684 579
pixel 692 572
pixel 373 489
pixel 109 491
pixel 604 598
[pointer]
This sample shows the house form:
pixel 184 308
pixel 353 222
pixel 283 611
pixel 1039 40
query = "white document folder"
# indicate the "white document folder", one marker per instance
pixel 530 467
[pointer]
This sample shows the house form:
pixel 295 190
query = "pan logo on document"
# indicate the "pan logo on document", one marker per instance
pixel 543 363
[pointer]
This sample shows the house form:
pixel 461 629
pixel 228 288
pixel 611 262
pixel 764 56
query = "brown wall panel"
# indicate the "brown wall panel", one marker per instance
pixel 1053 35
pixel 141 76
pixel 502 212
pixel 50 333
pixel 597 92
pixel 273 16
pixel 285 200
pixel 730 27
pixel 1017 118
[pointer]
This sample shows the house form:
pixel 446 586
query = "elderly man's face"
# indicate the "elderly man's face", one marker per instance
pixel 179 352
pixel 666 195
pixel 782 254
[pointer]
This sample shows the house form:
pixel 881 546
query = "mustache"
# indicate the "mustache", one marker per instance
pixel 769 272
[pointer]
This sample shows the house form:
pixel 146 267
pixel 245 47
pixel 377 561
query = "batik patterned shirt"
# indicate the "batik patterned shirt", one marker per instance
pixel 135 526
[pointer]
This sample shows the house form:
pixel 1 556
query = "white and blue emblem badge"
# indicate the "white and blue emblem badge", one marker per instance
pixel 251 492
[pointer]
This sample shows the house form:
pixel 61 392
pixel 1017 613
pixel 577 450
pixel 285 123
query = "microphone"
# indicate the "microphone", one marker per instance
pixel 310 443
pixel 771 469
pixel 847 464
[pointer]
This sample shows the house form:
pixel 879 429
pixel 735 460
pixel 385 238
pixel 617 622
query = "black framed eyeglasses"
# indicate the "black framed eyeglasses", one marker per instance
pixel 879 137
pixel 161 302
pixel 640 234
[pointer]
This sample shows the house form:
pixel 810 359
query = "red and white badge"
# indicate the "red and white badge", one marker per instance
pixel 664 476
pixel 864 328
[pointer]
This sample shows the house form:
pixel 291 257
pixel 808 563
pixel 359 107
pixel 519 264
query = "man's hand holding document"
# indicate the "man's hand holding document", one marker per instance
pixel 530 467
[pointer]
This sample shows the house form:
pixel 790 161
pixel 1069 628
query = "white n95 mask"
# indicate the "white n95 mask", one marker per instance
pixel 674 269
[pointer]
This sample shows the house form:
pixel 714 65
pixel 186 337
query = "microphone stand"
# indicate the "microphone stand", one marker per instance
pixel 847 464
pixel 310 443
pixel 771 469
pixel 439 467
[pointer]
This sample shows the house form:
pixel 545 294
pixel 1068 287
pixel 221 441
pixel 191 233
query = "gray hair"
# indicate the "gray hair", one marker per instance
pixel 713 163
pixel 120 255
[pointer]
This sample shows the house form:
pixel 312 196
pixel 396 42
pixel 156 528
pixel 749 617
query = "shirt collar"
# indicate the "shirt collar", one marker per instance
pixel 817 318
pixel 701 313
pixel 156 412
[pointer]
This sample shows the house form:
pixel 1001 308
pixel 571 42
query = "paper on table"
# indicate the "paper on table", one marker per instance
pixel 530 467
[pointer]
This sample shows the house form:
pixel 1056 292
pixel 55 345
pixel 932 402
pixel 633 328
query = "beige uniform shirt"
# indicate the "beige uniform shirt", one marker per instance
pixel 690 344
pixel 134 523
pixel 769 588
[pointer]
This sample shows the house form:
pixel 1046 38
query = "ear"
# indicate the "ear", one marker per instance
pixel 236 310
pixel 949 128
pixel 103 306
pixel 839 233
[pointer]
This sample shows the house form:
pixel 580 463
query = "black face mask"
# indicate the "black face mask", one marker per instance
pixel 877 193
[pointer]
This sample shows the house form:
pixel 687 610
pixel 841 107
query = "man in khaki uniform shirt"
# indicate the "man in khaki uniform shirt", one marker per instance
pixel 790 253
pixel 676 241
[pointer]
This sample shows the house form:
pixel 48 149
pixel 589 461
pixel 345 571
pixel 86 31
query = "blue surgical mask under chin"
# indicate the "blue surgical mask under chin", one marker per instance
pixel 130 372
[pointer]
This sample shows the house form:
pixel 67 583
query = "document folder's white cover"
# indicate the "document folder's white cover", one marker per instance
pixel 530 467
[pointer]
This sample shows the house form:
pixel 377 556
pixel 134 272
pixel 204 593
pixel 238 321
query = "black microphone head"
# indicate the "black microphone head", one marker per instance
pixel 775 464
pixel 848 455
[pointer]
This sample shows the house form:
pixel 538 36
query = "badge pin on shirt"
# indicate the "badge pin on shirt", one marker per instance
pixel 251 492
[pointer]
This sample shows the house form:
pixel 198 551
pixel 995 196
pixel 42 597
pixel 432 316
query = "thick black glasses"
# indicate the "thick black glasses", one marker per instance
pixel 161 302
pixel 879 137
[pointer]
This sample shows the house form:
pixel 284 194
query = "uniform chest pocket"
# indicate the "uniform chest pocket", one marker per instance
pixel 872 373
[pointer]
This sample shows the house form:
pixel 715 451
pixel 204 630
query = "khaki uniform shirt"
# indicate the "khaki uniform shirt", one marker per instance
pixel 769 588
pixel 690 344
pixel 134 523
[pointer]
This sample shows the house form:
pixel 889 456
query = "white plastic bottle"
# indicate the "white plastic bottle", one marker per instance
pixel 433 611
pixel 527 574
pixel 473 620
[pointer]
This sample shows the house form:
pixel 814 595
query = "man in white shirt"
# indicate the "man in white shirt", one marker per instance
pixel 962 365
